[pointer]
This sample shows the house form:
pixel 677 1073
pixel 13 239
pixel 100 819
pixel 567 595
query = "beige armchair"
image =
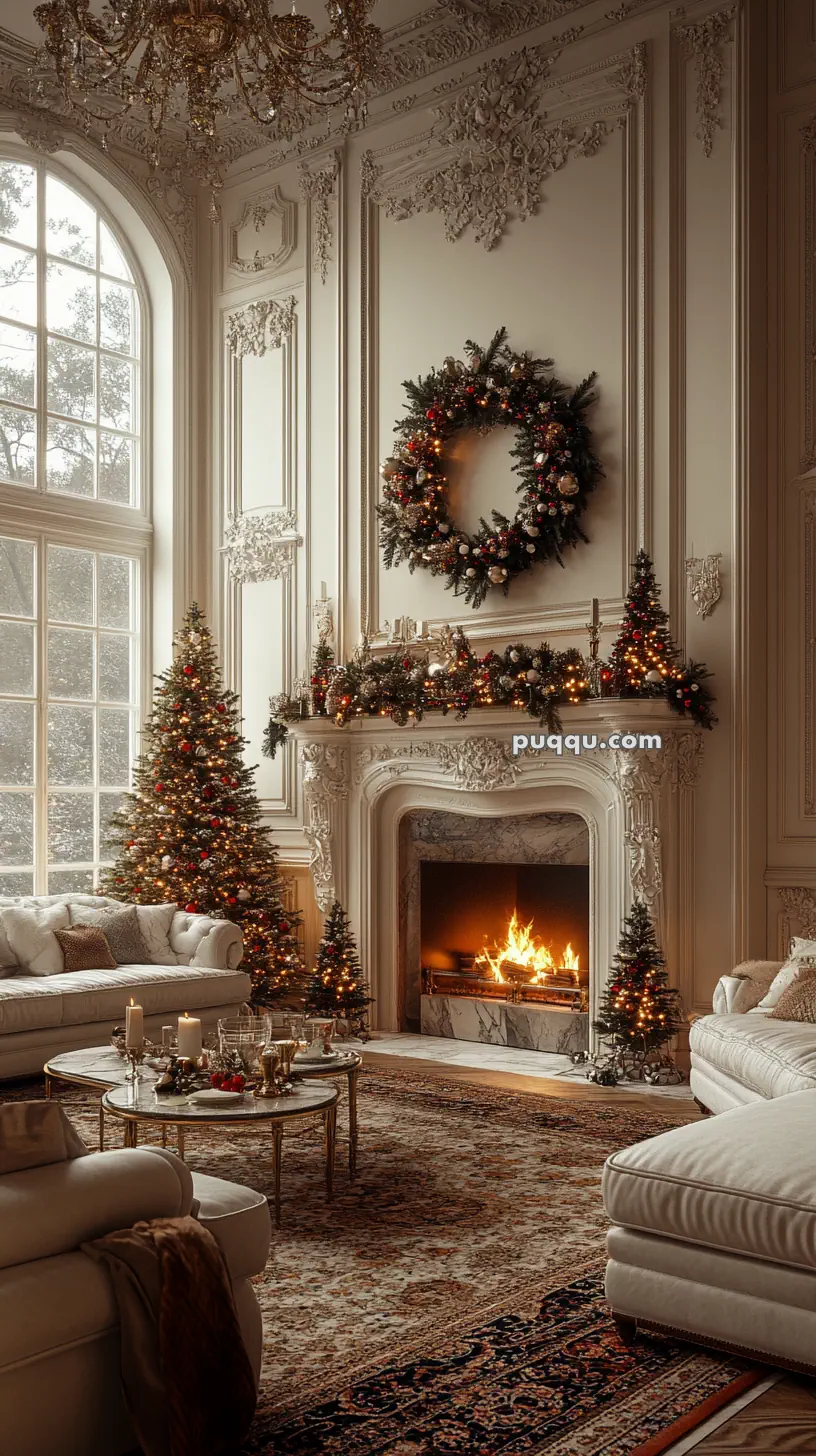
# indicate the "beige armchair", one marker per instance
pixel 60 1385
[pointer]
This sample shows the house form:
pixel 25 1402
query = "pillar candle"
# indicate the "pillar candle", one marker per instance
pixel 134 1026
pixel 595 614
pixel 421 629
pixel 189 1037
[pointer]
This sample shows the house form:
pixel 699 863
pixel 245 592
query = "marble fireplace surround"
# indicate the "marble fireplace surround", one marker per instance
pixel 360 781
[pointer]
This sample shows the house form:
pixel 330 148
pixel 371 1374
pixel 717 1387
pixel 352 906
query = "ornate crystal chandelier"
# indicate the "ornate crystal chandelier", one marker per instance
pixel 194 62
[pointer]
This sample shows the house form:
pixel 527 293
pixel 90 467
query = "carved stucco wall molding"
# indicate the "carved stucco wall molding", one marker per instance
pixel 640 778
pixel 491 148
pixel 479 763
pixel 260 326
pixel 261 546
pixel 798 905
pixel 317 186
pixel 808 453
pixel 271 203
pixel 703 43
pixel 325 786
pixel 645 871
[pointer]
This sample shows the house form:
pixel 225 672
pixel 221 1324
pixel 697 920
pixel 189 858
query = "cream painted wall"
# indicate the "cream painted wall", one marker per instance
pixel 635 264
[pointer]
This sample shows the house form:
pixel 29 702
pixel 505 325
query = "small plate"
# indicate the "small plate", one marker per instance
pixel 213 1096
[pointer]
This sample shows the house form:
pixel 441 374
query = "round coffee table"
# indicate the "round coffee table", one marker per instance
pixel 340 1064
pixel 136 1102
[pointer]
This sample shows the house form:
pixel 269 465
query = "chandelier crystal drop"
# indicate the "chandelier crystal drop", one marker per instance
pixel 183 66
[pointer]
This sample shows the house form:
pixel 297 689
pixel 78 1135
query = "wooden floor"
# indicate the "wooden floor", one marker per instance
pixel 783 1420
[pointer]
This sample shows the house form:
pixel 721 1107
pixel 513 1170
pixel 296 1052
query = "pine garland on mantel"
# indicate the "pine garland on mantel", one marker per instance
pixel 406 684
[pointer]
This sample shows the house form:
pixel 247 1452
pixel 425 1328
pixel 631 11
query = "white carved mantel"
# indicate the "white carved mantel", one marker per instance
pixel 359 780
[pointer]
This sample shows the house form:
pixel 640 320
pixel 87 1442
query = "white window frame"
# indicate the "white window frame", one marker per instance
pixel 30 512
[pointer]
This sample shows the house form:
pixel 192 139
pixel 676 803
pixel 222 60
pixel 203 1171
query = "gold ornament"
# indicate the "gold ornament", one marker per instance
pixel 568 485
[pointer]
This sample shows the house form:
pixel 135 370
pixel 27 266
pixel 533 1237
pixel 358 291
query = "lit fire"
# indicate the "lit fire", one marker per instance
pixel 522 950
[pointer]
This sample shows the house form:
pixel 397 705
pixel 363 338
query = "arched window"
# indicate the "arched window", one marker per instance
pixel 73 543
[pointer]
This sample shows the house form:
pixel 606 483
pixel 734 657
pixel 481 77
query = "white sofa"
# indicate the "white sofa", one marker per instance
pixel 740 1054
pixel 43 1015
pixel 60 1388
pixel 714 1232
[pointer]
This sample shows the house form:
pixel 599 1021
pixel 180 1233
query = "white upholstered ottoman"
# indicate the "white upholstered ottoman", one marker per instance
pixel 714 1232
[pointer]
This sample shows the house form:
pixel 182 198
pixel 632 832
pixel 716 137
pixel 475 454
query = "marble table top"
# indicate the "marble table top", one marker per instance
pixel 98 1066
pixel 139 1100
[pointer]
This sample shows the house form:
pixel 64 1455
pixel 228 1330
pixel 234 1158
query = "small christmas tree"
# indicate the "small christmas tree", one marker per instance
pixel 322 664
pixel 643 654
pixel 639 1011
pixel 191 830
pixel 645 661
pixel 338 987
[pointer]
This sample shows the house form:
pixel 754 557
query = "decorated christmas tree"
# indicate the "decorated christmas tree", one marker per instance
pixel 639 1011
pixel 645 661
pixel 191 831
pixel 338 987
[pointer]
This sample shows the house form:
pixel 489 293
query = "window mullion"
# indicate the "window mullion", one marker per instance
pixel 41 393
pixel 41 726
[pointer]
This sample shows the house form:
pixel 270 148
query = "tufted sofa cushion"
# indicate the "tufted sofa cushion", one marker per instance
pixel 77 997
pixel 180 938
pixel 769 1057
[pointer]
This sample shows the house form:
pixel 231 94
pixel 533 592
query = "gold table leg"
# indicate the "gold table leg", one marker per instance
pixel 101 1127
pixel 331 1144
pixel 164 1134
pixel 277 1151
pixel 352 1100
pixel 131 1134
pixel 47 1085
pixel 180 1140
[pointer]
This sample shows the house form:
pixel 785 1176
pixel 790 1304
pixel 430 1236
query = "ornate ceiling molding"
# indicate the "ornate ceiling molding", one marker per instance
pixel 703 44
pixel 271 203
pixel 317 187
pixel 491 148
pixel 260 326
pixel 261 547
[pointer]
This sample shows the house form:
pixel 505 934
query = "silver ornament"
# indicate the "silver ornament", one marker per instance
pixel 653 676
pixel 243 894
pixel 471 571
pixel 435 668
pixel 530 548
pixel 464 550
pixel 541 457
pixel 532 676
pixel 514 656
pixel 421 475
pixel 443 528
pixel 390 467
pixel 507 683
pixel 495 575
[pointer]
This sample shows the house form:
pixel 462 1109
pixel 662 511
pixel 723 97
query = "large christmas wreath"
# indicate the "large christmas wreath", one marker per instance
pixel 556 466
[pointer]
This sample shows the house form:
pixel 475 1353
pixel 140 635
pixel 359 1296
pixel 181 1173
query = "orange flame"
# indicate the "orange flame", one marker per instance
pixel 522 948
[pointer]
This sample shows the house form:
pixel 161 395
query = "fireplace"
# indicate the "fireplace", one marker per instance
pixel 381 798
pixel 495 917
pixel 515 931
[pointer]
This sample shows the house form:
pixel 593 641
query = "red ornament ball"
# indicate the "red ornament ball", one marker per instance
pixel 220 707
pixel 188 670
pixel 159 789
pixel 225 778
pixel 177 707
pixel 283 927
pixel 215 823
pixel 191 908
pixel 203 854
pixel 207 793
pixel 186 746
pixel 231 900
pixel 637 635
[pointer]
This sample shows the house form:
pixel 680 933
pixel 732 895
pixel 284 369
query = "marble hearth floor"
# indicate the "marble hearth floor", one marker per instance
pixel 444 1051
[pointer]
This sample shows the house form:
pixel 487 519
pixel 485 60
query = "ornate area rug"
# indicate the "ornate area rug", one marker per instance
pixel 449 1302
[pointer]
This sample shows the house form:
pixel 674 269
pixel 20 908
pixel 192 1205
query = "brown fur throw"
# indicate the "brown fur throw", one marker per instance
pixel 188 1383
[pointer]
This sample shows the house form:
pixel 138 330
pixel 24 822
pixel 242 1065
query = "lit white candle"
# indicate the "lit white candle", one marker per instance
pixel 595 613
pixel 396 635
pixel 421 629
pixel 323 597
pixel 134 1026
pixel 189 1037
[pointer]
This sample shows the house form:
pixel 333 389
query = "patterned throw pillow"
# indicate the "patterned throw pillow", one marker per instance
pixel 85 948
pixel 798 1003
pixel 121 930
